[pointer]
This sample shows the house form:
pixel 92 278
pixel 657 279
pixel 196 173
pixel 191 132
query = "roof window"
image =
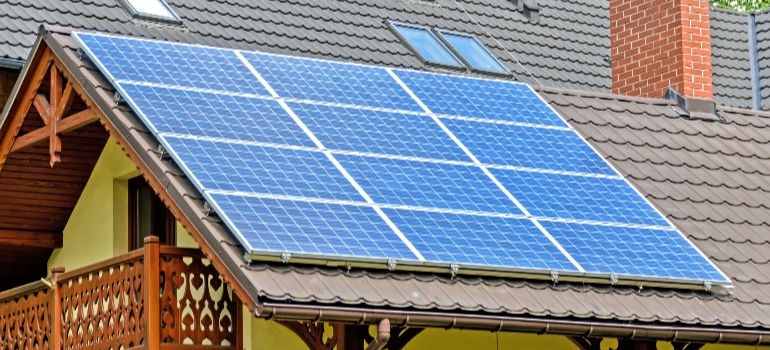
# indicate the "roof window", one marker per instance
pixel 472 52
pixel 151 9
pixel 424 43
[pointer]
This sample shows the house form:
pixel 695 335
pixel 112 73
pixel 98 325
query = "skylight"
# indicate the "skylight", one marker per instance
pixel 472 52
pixel 425 44
pixel 151 9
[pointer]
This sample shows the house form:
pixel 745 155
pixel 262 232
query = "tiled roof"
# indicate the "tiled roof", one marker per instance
pixel 731 65
pixel 712 179
pixel 568 47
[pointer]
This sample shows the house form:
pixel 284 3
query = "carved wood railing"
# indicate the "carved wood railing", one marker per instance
pixel 155 297
pixel 25 317
pixel 102 305
pixel 196 306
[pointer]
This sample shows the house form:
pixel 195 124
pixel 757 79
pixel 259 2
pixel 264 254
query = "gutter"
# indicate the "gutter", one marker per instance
pixel 294 312
pixel 11 63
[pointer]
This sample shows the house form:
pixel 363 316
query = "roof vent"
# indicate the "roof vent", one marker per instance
pixel 530 9
pixel 693 108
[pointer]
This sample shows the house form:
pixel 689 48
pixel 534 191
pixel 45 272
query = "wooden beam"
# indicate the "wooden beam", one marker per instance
pixel 54 141
pixel 65 125
pixel 66 101
pixel 56 89
pixel 43 108
pixel 30 239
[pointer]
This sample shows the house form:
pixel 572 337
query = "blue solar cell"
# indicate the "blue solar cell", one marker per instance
pixel 523 146
pixel 172 64
pixel 479 98
pixel 298 227
pixel 579 197
pixel 331 82
pixel 256 169
pixel 368 131
pixel 632 251
pixel 424 184
pixel 479 240
pixel 216 115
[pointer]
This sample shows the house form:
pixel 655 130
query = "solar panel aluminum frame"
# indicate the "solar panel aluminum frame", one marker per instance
pixel 461 66
pixel 440 34
pixel 251 255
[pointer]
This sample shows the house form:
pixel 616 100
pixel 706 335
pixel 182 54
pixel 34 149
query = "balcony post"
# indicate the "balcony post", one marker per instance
pixel 56 310
pixel 151 288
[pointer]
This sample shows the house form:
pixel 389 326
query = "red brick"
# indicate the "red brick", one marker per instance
pixel 657 43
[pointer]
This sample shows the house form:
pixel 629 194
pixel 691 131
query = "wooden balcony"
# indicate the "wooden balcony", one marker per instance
pixel 156 297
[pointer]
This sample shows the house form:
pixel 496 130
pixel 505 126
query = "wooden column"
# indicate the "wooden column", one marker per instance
pixel 631 344
pixel 239 315
pixel 56 310
pixel 151 292
pixel 352 337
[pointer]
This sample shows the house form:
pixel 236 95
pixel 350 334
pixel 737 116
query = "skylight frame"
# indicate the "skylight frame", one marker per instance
pixel 442 33
pixel 394 25
pixel 135 13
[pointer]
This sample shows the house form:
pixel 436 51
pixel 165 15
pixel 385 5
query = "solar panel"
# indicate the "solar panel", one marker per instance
pixel 427 184
pixel 156 62
pixel 579 198
pixel 235 167
pixel 346 162
pixel 479 98
pixel 332 82
pixel 479 240
pixel 311 228
pixel 378 132
pixel 529 147
pixel 632 251
pixel 216 115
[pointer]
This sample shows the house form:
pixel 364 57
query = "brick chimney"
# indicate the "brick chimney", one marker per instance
pixel 661 43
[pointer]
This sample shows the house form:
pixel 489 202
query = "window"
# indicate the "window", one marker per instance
pixel 472 52
pixel 147 215
pixel 425 44
pixel 151 9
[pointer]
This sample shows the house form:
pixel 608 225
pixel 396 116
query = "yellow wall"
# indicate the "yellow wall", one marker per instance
pixel 97 228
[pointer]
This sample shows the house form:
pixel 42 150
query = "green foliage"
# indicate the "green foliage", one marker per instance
pixel 743 5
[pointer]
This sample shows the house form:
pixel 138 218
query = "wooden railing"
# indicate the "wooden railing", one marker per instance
pixel 25 317
pixel 151 298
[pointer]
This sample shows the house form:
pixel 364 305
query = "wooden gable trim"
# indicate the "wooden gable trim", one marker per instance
pixel 156 184
pixel 51 110
pixel 25 100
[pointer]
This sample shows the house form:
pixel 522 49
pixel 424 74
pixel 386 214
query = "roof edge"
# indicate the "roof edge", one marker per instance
pixel 289 312
pixel 643 100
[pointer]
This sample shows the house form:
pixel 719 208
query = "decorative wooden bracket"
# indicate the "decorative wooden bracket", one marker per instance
pixel 400 336
pixel 52 112
pixel 587 343
pixel 687 346
pixel 312 333
pixel 345 337
pixel 633 344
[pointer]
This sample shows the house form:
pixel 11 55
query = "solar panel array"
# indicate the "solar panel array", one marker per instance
pixel 344 161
